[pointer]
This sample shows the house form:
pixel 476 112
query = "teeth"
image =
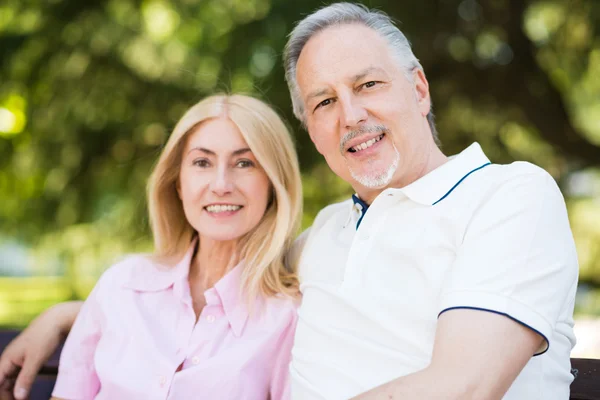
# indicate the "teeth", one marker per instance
pixel 367 144
pixel 221 208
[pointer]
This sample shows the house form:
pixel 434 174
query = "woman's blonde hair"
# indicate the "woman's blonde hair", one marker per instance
pixel 263 248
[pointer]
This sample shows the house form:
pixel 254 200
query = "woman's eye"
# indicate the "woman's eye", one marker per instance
pixel 201 163
pixel 244 163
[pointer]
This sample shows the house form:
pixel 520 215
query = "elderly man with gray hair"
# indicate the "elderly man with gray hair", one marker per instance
pixel 443 277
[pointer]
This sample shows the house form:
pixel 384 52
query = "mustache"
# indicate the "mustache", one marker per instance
pixel 362 130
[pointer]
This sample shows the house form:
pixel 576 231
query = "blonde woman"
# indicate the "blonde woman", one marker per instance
pixel 211 313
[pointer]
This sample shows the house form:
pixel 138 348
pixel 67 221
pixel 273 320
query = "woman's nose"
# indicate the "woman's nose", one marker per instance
pixel 222 182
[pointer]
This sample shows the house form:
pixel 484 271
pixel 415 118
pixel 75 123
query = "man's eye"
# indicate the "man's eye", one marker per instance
pixel 324 103
pixel 244 164
pixel 369 84
pixel 202 162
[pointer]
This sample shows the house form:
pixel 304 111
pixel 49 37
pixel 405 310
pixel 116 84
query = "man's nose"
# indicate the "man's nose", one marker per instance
pixel 353 111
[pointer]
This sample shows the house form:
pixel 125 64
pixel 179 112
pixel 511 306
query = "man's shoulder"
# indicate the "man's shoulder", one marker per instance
pixel 517 190
pixel 331 211
pixel 517 178
pixel 517 169
pixel 326 214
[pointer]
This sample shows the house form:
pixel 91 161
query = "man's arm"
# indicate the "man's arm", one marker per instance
pixel 25 355
pixel 476 355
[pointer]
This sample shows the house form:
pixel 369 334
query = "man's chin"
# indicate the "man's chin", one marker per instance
pixel 373 181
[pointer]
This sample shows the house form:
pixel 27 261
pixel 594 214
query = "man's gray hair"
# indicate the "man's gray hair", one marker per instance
pixel 339 14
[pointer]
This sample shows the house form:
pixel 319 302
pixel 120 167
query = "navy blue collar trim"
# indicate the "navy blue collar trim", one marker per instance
pixel 506 315
pixel 459 182
pixel 363 208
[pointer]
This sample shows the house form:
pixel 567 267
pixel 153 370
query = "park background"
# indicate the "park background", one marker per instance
pixel 89 91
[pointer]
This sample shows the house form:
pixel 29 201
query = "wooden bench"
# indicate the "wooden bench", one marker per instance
pixel 585 386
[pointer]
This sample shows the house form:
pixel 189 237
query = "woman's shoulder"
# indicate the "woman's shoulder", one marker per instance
pixel 283 302
pixel 127 269
pixel 281 308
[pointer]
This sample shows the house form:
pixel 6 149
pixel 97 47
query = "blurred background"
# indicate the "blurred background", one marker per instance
pixel 89 91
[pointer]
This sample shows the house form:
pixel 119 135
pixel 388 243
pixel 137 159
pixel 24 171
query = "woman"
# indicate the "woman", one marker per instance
pixel 211 313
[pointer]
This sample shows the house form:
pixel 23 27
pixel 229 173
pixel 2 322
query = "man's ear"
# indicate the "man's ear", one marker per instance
pixel 422 91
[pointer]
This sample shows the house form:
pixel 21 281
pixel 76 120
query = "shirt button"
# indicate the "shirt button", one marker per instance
pixel 196 360
pixel 365 236
pixel 162 380
pixel 210 318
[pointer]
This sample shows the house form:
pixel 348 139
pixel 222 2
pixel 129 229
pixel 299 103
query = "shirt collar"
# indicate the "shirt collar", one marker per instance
pixel 227 292
pixel 436 185
pixel 144 278
pixel 439 183
pixel 359 207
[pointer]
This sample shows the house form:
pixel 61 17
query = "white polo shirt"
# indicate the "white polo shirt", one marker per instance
pixel 470 234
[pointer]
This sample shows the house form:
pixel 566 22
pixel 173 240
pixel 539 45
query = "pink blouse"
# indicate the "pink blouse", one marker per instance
pixel 138 327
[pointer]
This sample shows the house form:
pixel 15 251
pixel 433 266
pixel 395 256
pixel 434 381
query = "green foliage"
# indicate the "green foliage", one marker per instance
pixel 89 91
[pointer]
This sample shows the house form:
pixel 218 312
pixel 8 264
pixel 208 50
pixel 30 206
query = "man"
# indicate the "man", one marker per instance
pixel 459 281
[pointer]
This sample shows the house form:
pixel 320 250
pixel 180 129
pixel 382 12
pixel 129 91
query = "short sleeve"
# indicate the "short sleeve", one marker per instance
pixel 77 378
pixel 280 382
pixel 517 257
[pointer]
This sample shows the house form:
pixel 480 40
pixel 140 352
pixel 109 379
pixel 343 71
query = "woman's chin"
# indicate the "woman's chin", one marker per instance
pixel 217 236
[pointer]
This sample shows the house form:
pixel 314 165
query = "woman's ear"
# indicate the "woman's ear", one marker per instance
pixel 178 188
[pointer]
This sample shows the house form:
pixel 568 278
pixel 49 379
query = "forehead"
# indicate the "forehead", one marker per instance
pixel 216 134
pixel 339 52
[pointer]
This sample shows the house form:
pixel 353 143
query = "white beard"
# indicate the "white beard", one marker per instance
pixel 378 180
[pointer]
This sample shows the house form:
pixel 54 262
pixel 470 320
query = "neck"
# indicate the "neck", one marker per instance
pixel 213 260
pixel 407 174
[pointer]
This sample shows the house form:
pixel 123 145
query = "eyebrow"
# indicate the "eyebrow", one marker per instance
pixel 361 75
pixel 317 93
pixel 212 153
